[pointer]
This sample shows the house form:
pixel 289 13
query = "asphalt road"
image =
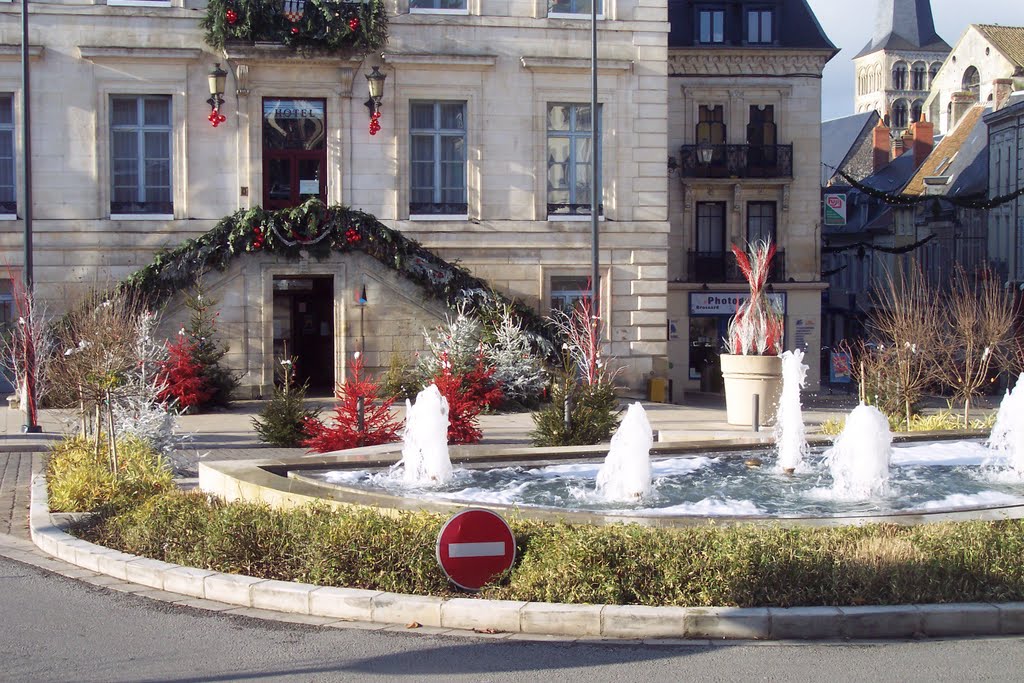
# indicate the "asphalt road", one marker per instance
pixel 58 629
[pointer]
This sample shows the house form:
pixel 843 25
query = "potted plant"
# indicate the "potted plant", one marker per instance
pixel 752 365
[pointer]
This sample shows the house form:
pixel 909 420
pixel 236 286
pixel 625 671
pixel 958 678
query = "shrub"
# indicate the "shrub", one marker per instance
pixel 80 478
pixel 593 414
pixel 399 381
pixel 468 393
pixel 378 425
pixel 184 385
pixel 509 351
pixel 282 421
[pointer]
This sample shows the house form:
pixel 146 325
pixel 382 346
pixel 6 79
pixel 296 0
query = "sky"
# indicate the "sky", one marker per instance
pixel 849 24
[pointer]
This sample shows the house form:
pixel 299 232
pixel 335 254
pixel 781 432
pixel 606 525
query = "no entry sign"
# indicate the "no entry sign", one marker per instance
pixel 474 546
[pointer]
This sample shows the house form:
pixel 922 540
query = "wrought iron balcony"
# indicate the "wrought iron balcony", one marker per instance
pixel 720 266
pixel 736 161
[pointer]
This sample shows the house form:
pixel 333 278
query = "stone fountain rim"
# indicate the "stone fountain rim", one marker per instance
pixel 266 481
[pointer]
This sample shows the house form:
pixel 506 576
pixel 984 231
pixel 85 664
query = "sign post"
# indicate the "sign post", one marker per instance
pixel 475 546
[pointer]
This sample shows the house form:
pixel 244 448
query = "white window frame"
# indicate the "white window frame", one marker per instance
pixel 141 127
pixel 759 12
pixel 12 129
pixel 573 135
pixel 137 3
pixel 451 11
pixel 577 15
pixel 437 134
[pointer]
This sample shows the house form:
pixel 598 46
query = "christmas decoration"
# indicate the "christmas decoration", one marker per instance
pixel 232 16
pixel 216 118
pixel 757 327
pixel 375 123
pixel 375 426
pixel 899 199
pixel 468 394
pixel 282 422
pixel 353 24
pixel 184 386
pixel 220 382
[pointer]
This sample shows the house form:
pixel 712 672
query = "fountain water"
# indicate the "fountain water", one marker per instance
pixel 859 460
pixel 1008 432
pixel 790 437
pixel 626 472
pixel 425 458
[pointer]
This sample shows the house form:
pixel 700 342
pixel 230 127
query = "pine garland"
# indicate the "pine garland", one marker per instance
pixel 315 230
pixel 325 25
pixel 900 199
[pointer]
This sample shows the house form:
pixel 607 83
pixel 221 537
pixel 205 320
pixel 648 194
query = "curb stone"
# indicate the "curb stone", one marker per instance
pixel 517 620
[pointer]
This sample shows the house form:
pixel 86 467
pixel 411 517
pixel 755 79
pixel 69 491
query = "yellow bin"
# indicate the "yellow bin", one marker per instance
pixel 657 389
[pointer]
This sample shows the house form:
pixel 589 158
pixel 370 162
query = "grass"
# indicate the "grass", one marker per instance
pixel 744 566
pixel 943 420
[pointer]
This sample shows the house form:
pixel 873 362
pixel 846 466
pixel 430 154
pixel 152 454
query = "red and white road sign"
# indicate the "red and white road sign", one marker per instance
pixel 474 546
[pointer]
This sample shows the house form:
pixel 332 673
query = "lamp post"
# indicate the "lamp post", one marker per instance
pixel 30 426
pixel 217 80
pixel 375 84
pixel 595 171
pixel 362 308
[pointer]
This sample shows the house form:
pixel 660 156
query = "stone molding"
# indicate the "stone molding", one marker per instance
pixel 166 54
pixel 570 64
pixel 11 53
pixel 716 63
pixel 413 60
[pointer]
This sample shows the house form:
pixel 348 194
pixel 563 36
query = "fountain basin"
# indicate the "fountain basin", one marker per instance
pixel 269 481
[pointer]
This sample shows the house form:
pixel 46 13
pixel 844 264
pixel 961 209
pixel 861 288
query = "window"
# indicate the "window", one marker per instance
pixel 899 114
pixel 899 76
pixel 140 131
pixel 569 155
pixel 556 7
pixel 568 291
pixel 917 75
pixel 711 26
pixel 294 151
pixel 458 6
pixel 8 197
pixel 972 82
pixel 711 227
pixel 915 111
pixel 711 130
pixel 761 136
pixel 933 70
pixel 760 221
pixel 438 158
pixel 759 26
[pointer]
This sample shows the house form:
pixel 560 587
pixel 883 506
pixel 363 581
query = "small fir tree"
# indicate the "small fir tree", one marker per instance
pixel 283 420
pixel 468 393
pixel 378 424
pixel 181 376
pixel 509 352
pixel 208 352
pixel 457 343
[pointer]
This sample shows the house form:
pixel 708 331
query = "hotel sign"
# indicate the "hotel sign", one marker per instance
pixel 726 303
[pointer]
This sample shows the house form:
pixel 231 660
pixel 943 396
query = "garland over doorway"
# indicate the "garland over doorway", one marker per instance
pixel 315 230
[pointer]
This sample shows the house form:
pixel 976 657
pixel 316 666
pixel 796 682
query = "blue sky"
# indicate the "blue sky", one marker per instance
pixel 850 24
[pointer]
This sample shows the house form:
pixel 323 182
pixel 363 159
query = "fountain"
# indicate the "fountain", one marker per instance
pixel 425 458
pixel 860 459
pixel 790 438
pixel 626 472
pixel 1008 433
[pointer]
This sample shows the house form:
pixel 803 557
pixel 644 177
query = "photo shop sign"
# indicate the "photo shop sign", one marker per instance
pixel 726 303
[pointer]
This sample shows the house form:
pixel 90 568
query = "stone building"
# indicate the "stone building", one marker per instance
pixel 482 157
pixel 744 138
pixel 895 70
pixel 980 69
pixel 1006 175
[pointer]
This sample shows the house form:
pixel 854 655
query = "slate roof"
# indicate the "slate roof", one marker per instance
pixel 795 21
pixel 838 139
pixel 1007 39
pixel 962 155
pixel 904 25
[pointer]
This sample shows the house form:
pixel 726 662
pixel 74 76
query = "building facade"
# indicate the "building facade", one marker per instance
pixel 483 157
pixel 1006 175
pixel 894 72
pixel 745 150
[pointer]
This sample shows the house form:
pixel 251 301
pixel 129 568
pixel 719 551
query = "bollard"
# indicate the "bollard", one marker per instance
pixel 567 414
pixel 755 413
pixel 360 414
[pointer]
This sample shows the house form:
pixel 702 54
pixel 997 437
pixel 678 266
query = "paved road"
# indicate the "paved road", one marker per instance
pixel 57 629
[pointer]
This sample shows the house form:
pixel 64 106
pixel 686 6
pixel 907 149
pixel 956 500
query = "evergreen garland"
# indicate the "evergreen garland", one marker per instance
pixel 900 199
pixel 325 25
pixel 315 230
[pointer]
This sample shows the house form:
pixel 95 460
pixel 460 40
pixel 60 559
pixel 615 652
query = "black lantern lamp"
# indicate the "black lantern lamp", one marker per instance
pixel 217 79
pixel 704 152
pixel 375 81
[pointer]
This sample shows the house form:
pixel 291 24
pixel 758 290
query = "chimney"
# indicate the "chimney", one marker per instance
pixel 923 139
pixel 1002 88
pixel 962 101
pixel 881 143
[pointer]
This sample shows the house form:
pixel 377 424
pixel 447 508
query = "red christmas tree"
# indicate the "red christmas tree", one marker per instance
pixel 379 425
pixel 468 394
pixel 182 375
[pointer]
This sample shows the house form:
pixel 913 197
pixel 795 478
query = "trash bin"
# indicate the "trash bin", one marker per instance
pixel 657 389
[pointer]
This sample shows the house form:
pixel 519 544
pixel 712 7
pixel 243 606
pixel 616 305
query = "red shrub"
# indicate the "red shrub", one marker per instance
pixel 379 426
pixel 184 382
pixel 468 395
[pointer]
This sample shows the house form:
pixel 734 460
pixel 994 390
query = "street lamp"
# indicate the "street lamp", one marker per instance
pixel 217 80
pixel 704 152
pixel 362 301
pixel 375 83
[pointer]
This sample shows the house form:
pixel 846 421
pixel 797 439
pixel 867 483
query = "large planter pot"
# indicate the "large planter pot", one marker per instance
pixel 746 376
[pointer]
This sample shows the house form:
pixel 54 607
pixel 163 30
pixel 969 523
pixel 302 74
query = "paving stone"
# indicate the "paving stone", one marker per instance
pixel 881 621
pixel 358 625
pixel 727 622
pixel 466 613
pixel 1011 618
pixel 561 619
pixel 805 622
pixel 959 619
pixel 147 571
pixel 343 603
pixel 209 605
pixel 187 581
pixel 419 630
pixel 641 621
pixel 282 596
pixel 231 588
pixel 404 609
pixel 162 596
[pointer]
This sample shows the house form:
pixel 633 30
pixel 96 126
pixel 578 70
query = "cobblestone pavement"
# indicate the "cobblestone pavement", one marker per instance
pixel 16 470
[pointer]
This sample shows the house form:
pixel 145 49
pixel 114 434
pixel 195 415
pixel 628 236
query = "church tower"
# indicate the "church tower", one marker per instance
pixel 894 71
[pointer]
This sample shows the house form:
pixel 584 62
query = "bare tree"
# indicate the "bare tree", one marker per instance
pixel 979 317
pixel 27 350
pixel 907 321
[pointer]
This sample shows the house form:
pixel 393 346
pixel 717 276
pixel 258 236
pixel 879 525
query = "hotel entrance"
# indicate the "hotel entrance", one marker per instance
pixel 304 329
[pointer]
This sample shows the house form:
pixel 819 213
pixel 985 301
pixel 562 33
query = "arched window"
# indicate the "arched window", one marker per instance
pixel 899 114
pixel 899 76
pixel 917 74
pixel 915 110
pixel 972 82
pixel 933 71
